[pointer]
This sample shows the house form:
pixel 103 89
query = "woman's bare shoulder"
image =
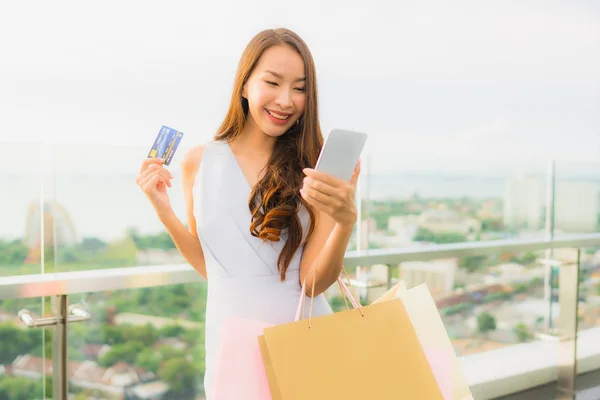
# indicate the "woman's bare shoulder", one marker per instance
pixel 191 161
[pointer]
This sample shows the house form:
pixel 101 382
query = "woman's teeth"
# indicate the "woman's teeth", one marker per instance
pixel 278 116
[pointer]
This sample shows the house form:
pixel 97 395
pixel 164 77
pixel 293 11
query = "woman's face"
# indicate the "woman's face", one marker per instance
pixel 275 90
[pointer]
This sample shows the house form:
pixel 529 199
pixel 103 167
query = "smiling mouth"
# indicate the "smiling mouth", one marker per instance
pixel 281 117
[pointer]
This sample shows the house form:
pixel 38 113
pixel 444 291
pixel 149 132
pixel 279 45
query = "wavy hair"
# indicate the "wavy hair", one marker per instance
pixel 275 200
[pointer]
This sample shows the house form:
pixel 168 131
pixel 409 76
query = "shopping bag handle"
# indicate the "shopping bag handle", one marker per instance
pixel 346 293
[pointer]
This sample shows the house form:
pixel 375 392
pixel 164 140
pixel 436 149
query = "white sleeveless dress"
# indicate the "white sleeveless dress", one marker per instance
pixel 243 279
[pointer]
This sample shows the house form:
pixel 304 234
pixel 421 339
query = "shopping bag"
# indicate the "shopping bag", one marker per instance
pixel 239 371
pixel 392 293
pixel 434 338
pixel 368 352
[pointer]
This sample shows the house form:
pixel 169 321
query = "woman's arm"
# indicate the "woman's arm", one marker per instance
pixel 324 252
pixel 332 201
pixel 185 240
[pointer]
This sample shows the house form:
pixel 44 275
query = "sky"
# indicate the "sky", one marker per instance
pixel 436 84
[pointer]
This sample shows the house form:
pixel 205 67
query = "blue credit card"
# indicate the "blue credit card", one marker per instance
pixel 165 144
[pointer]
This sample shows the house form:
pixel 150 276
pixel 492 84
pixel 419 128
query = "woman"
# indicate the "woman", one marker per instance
pixel 260 219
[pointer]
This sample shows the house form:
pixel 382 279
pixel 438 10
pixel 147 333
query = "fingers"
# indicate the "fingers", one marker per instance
pixel 322 176
pixel 151 182
pixel 150 161
pixel 330 202
pixel 319 186
pixel 355 174
pixel 314 202
pixel 152 169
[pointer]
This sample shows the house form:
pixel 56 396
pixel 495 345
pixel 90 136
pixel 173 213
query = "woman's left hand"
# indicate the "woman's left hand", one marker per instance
pixel 331 195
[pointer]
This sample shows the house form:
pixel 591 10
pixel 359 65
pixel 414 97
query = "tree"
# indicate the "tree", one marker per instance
pixel 486 322
pixel 425 235
pixel 126 352
pixel 522 332
pixel 149 360
pixel 171 331
pixel 14 341
pixel 179 374
pixel 18 388
pixel 473 263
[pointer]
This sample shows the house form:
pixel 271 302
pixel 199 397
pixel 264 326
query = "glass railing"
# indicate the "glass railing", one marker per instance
pixel 136 339
pixel 83 204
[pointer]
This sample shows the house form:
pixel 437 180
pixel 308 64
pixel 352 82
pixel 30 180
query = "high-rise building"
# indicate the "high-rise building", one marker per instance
pixel 576 206
pixel 524 198
pixel 439 275
pixel 58 228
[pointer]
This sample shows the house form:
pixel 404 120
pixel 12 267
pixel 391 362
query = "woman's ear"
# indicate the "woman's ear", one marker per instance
pixel 244 92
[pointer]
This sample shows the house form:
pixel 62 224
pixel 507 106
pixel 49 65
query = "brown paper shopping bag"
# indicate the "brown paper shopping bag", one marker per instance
pixel 432 334
pixel 369 352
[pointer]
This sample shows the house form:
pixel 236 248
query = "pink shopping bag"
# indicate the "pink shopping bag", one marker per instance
pixel 239 370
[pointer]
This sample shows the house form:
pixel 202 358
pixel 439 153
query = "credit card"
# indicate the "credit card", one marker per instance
pixel 165 144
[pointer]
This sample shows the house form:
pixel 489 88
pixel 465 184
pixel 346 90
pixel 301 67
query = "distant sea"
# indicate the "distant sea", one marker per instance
pixel 105 205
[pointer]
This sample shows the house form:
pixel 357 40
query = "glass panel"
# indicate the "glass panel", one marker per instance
pixel 577 206
pixel 146 343
pixel 409 205
pixel 486 302
pixel 20 217
pixel 106 221
pixel 25 353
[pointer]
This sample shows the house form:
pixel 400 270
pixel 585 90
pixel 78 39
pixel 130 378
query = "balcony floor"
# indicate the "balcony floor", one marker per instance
pixel 588 388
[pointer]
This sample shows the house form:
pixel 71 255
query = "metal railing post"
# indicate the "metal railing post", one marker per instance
pixel 59 349
pixel 568 321
pixel 549 270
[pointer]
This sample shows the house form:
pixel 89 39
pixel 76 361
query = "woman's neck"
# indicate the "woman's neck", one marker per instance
pixel 254 142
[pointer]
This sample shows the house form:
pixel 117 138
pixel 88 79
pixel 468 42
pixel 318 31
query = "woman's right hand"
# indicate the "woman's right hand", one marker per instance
pixel 153 179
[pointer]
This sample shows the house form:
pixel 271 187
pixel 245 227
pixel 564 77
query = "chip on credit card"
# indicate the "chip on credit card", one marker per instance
pixel 165 144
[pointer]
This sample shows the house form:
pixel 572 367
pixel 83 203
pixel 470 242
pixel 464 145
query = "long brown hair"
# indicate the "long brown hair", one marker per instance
pixel 275 200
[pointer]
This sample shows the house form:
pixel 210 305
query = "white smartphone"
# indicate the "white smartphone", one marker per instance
pixel 340 153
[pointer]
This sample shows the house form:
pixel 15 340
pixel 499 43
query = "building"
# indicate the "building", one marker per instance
pixel 524 198
pixel 439 275
pixel 58 228
pixel 436 220
pixel 576 207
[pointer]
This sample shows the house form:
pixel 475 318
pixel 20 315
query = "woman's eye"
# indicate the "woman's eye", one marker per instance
pixel 271 83
pixel 300 89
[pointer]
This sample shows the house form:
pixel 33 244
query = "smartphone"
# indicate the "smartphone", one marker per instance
pixel 341 152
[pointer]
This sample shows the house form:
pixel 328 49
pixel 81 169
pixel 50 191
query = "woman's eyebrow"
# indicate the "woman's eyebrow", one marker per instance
pixel 279 76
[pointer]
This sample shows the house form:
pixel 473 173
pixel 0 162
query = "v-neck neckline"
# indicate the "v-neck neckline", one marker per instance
pixel 239 168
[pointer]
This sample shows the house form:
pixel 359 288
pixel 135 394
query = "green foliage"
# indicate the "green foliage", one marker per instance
pixel 526 259
pixel 455 308
pixel 12 252
pixel 149 360
pixel 496 296
pixel 522 332
pixel 179 373
pixel 491 225
pixel 425 235
pixel 337 303
pixel 160 240
pixel 126 352
pixel 19 388
pixel 171 331
pixel 473 263
pixel 146 335
pixel 15 341
pixel 486 322
pixel 381 211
